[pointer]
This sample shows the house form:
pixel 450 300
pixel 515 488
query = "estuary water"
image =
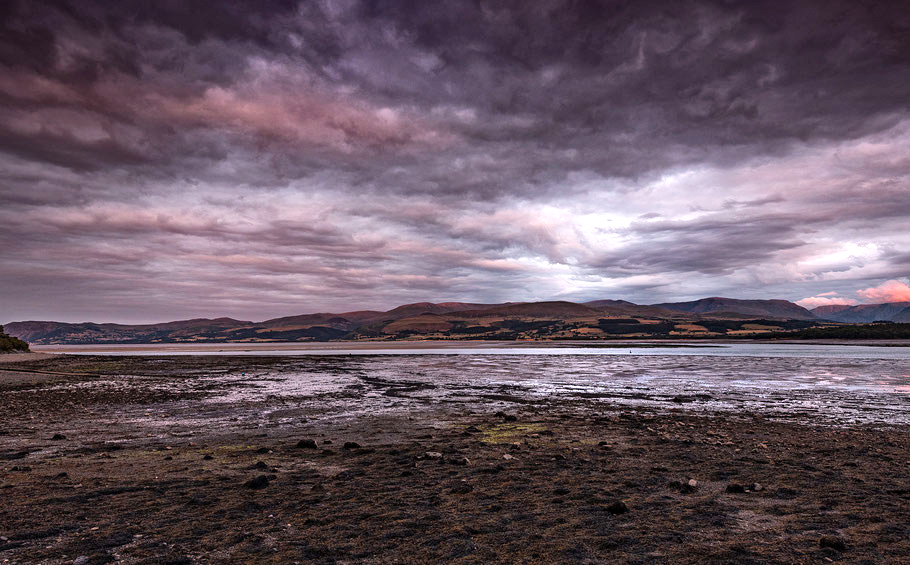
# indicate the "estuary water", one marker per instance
pixel 839 384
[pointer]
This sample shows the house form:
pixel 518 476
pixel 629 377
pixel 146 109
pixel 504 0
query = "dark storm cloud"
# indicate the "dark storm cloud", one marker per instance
pixel 292 154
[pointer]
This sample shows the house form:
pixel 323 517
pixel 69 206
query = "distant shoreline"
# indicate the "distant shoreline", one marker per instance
pixel 346 346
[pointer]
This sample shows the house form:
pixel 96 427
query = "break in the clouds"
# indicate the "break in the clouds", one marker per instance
pixel 164 160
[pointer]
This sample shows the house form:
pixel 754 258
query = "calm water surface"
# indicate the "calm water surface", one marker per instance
pixel 825 383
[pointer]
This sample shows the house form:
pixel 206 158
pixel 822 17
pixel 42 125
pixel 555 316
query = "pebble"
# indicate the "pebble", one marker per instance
pixel 833 542
pixel 433 455
pixel 508 457
pixel 351 445
pixel 617 507
pixel 259 482
pixel 692 483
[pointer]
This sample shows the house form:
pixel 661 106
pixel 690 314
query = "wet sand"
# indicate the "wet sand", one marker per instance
pixel 149 460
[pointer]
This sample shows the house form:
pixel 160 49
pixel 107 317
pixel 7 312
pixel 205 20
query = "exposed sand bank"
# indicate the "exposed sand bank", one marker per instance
pixel 170 465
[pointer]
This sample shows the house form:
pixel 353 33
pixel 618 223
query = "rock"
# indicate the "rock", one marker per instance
pixel 81 560
pixel 207 458
pixel 832 542
pixel 58 437
pixel 306 444
pixel 508 457
pixel 351 445
pixel 683 487
pixel 256 483
pixel 458 461
pixel 472 429
pixel 262 450
pixel 260 465
pixel 736 488
pixel 617 507
pixel 692 483
pixel 510 418
pixel 757 487
pixel 433 455
pixel 461 488
pixel 62 475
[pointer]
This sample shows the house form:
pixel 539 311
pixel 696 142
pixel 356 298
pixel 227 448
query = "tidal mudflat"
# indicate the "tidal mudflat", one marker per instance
pixel 472 458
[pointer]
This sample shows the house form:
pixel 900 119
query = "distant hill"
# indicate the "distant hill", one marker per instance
pixel 779 309
pixel 626 308
pixel 598 319
pixel 865 313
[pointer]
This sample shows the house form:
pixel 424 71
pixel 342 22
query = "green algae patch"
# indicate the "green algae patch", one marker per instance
pixel 508 433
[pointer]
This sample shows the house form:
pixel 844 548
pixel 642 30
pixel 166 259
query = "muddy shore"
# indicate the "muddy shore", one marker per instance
pixel 151 460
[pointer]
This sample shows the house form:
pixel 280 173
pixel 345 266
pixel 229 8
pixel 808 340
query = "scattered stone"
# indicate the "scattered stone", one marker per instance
pixel 351 445
pixel 260 465
pixel 461 488
pixel 832 542
pixel 736 488
pixel 58 437
pixel 508 457
pixel 306 444
pixel 683 487
pixel 433 455
pixel 617 507
pixel 757 487
pixel 692 483
pixel 256 483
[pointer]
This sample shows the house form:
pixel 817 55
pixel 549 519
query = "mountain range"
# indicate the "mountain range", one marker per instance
pixel 866 313
pixel 597 319
pixel 451 320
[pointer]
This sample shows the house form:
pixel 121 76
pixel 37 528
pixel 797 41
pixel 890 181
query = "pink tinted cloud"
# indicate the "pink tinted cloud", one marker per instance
pixel 303 116
pixel 825 299
pixel 888 291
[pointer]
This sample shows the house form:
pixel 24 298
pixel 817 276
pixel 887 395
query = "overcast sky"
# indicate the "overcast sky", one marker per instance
pixel 166 160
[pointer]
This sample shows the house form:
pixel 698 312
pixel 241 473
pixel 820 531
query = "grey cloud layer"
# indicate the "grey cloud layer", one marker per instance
pixel 257 159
